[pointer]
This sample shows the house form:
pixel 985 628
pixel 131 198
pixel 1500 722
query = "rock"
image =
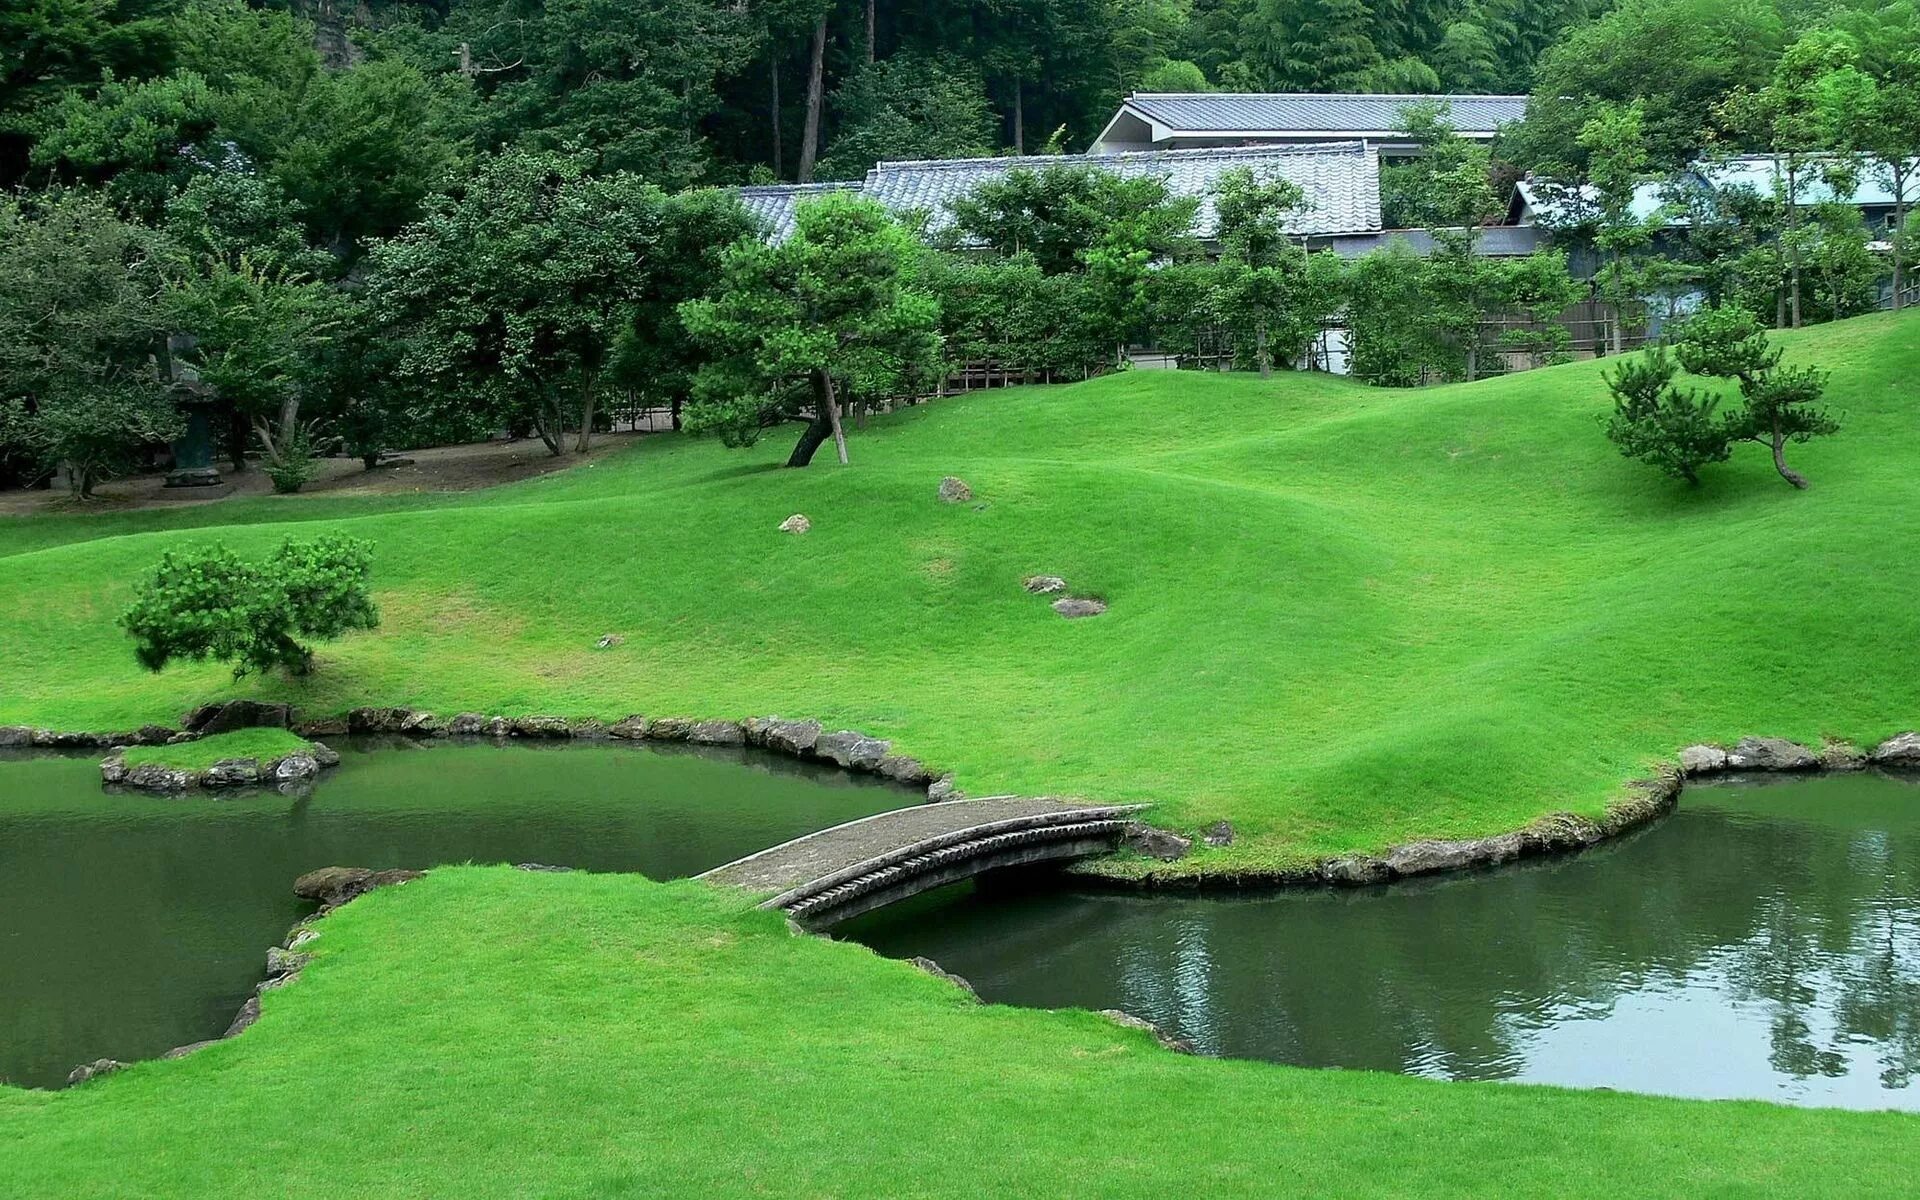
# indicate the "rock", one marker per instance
pixel 854 751
pixel 189 1048
pixel 295 766
pixel 670 729
pixel 12 736
pixel 1562 831
pixel 149 735
pixel 1770 754
pixel 248 1014
pixel 1079 606
pixel 1044 585
pixel 1900 750
pixel 325 755
pixel 1355 870
pixel 791 737
pixel 609 641
pixel 942 789
pixel 1648 798
pixel 95 1069
pixel 468 724
pixel 301 935
pixel 377 720
pixel 416 721
pixel 232 772
pixel 1430 856
pixel 1156 843
pixel 587 729
pixel 539 727
pixel 228 715
pixel 1842 756
pixel 797 523
pixel 181 739
pixel 113 770
pixel 282 961
pixel 1129 1021
pixel 1703 760
pixel 939 972
pixel 1220 833
pixel 717 733
pixel 542 868
pixel 901 769
pixel 630 729
pixel 954 490
pixel 155 778
pixel 334 886
pixel 67 739
pixel 334 726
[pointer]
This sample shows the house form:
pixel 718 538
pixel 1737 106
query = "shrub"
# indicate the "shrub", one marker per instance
pixel 208 603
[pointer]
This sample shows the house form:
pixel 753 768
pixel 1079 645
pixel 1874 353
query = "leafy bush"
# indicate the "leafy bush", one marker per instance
pixel 207 603
pixel 295 466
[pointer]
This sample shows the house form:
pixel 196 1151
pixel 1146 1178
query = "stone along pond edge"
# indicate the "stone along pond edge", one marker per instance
pixel 1647 798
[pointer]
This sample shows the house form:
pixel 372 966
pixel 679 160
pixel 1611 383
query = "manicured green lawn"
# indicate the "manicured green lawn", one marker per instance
pixel 265 745
pixel 487 1032
pixel 1341 617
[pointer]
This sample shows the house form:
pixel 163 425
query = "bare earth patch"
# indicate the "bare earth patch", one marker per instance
pixel 440 469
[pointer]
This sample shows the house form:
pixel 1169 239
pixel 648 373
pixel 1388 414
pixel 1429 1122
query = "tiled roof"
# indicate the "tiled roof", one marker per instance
pixel 1341 180
pixel 773 204
pixel 1310 112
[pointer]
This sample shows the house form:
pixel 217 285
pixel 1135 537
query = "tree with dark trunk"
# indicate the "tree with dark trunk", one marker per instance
pixel 816 101
pixel 832 316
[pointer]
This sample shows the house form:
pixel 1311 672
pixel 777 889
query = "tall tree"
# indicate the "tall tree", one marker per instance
pixel 1261 267
pixel 830 316
pixel 512 296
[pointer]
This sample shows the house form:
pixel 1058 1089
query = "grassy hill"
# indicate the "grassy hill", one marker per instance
pixel 1340 617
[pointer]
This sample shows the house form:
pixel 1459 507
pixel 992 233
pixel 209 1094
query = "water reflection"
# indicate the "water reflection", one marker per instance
pixel 1763 942
pixel 130 923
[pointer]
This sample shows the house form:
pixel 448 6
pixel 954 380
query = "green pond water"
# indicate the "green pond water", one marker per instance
pixel 1763 942
pixel 130 924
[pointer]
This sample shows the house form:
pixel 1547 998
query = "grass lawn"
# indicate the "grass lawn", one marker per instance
pixel 264 745
pixel 1341 617
pixel 488 1032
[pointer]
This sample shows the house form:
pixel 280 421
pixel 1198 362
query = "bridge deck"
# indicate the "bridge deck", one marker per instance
pixel 809 862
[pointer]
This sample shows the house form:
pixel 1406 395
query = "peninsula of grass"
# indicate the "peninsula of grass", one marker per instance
pixel 489 1032
pixel 1340 617
pixel 261 745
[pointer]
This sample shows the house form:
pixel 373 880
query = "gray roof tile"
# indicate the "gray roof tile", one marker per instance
pixel 1341 180
pixel 1311 112
pixel 774 204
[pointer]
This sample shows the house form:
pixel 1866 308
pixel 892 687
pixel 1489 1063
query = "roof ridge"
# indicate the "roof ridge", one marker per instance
pixel 1328 95
pixel 1330 146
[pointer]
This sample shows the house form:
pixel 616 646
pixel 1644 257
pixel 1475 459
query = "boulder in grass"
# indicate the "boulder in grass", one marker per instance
pixel 1220 833
pixel 797 523
pixel 232 772
pixel 1078 606
pixel 334 886
pixel 852 750
pixel 1900 750
pixel 954 490
pixel 1771 754
pixel 716 733
pixel 1156 843
pixel 1044 585
pixel 790 737
pixel 1703 760
pixel 95 1069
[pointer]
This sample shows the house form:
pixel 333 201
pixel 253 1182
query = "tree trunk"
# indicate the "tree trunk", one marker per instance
pixel 1793 243
pixel 1473 359
pixel 1019 120
pixel 812 438
pixel 870 32
pixel 237 435
pixel 1899 169
pixel 1779 446
pixel 677 402
pixel 587 399
pixel 778 157
pixel 816 82
pixel 546 423
pixel 1261 354
pixel 823 387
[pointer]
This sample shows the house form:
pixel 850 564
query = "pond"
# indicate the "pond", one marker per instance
pixel 130 924
pixel 1763 942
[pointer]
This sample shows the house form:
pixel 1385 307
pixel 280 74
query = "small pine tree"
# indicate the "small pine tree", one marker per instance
pixel 1674 430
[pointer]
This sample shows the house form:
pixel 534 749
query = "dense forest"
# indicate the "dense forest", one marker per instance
pixel 391 223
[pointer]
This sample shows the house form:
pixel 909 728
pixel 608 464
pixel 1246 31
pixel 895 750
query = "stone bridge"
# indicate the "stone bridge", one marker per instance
pixel 854 868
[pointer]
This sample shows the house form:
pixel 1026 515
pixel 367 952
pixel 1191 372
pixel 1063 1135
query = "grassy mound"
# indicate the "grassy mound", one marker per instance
pixel 487 1032
pixel 262 745
pixel 1340 618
